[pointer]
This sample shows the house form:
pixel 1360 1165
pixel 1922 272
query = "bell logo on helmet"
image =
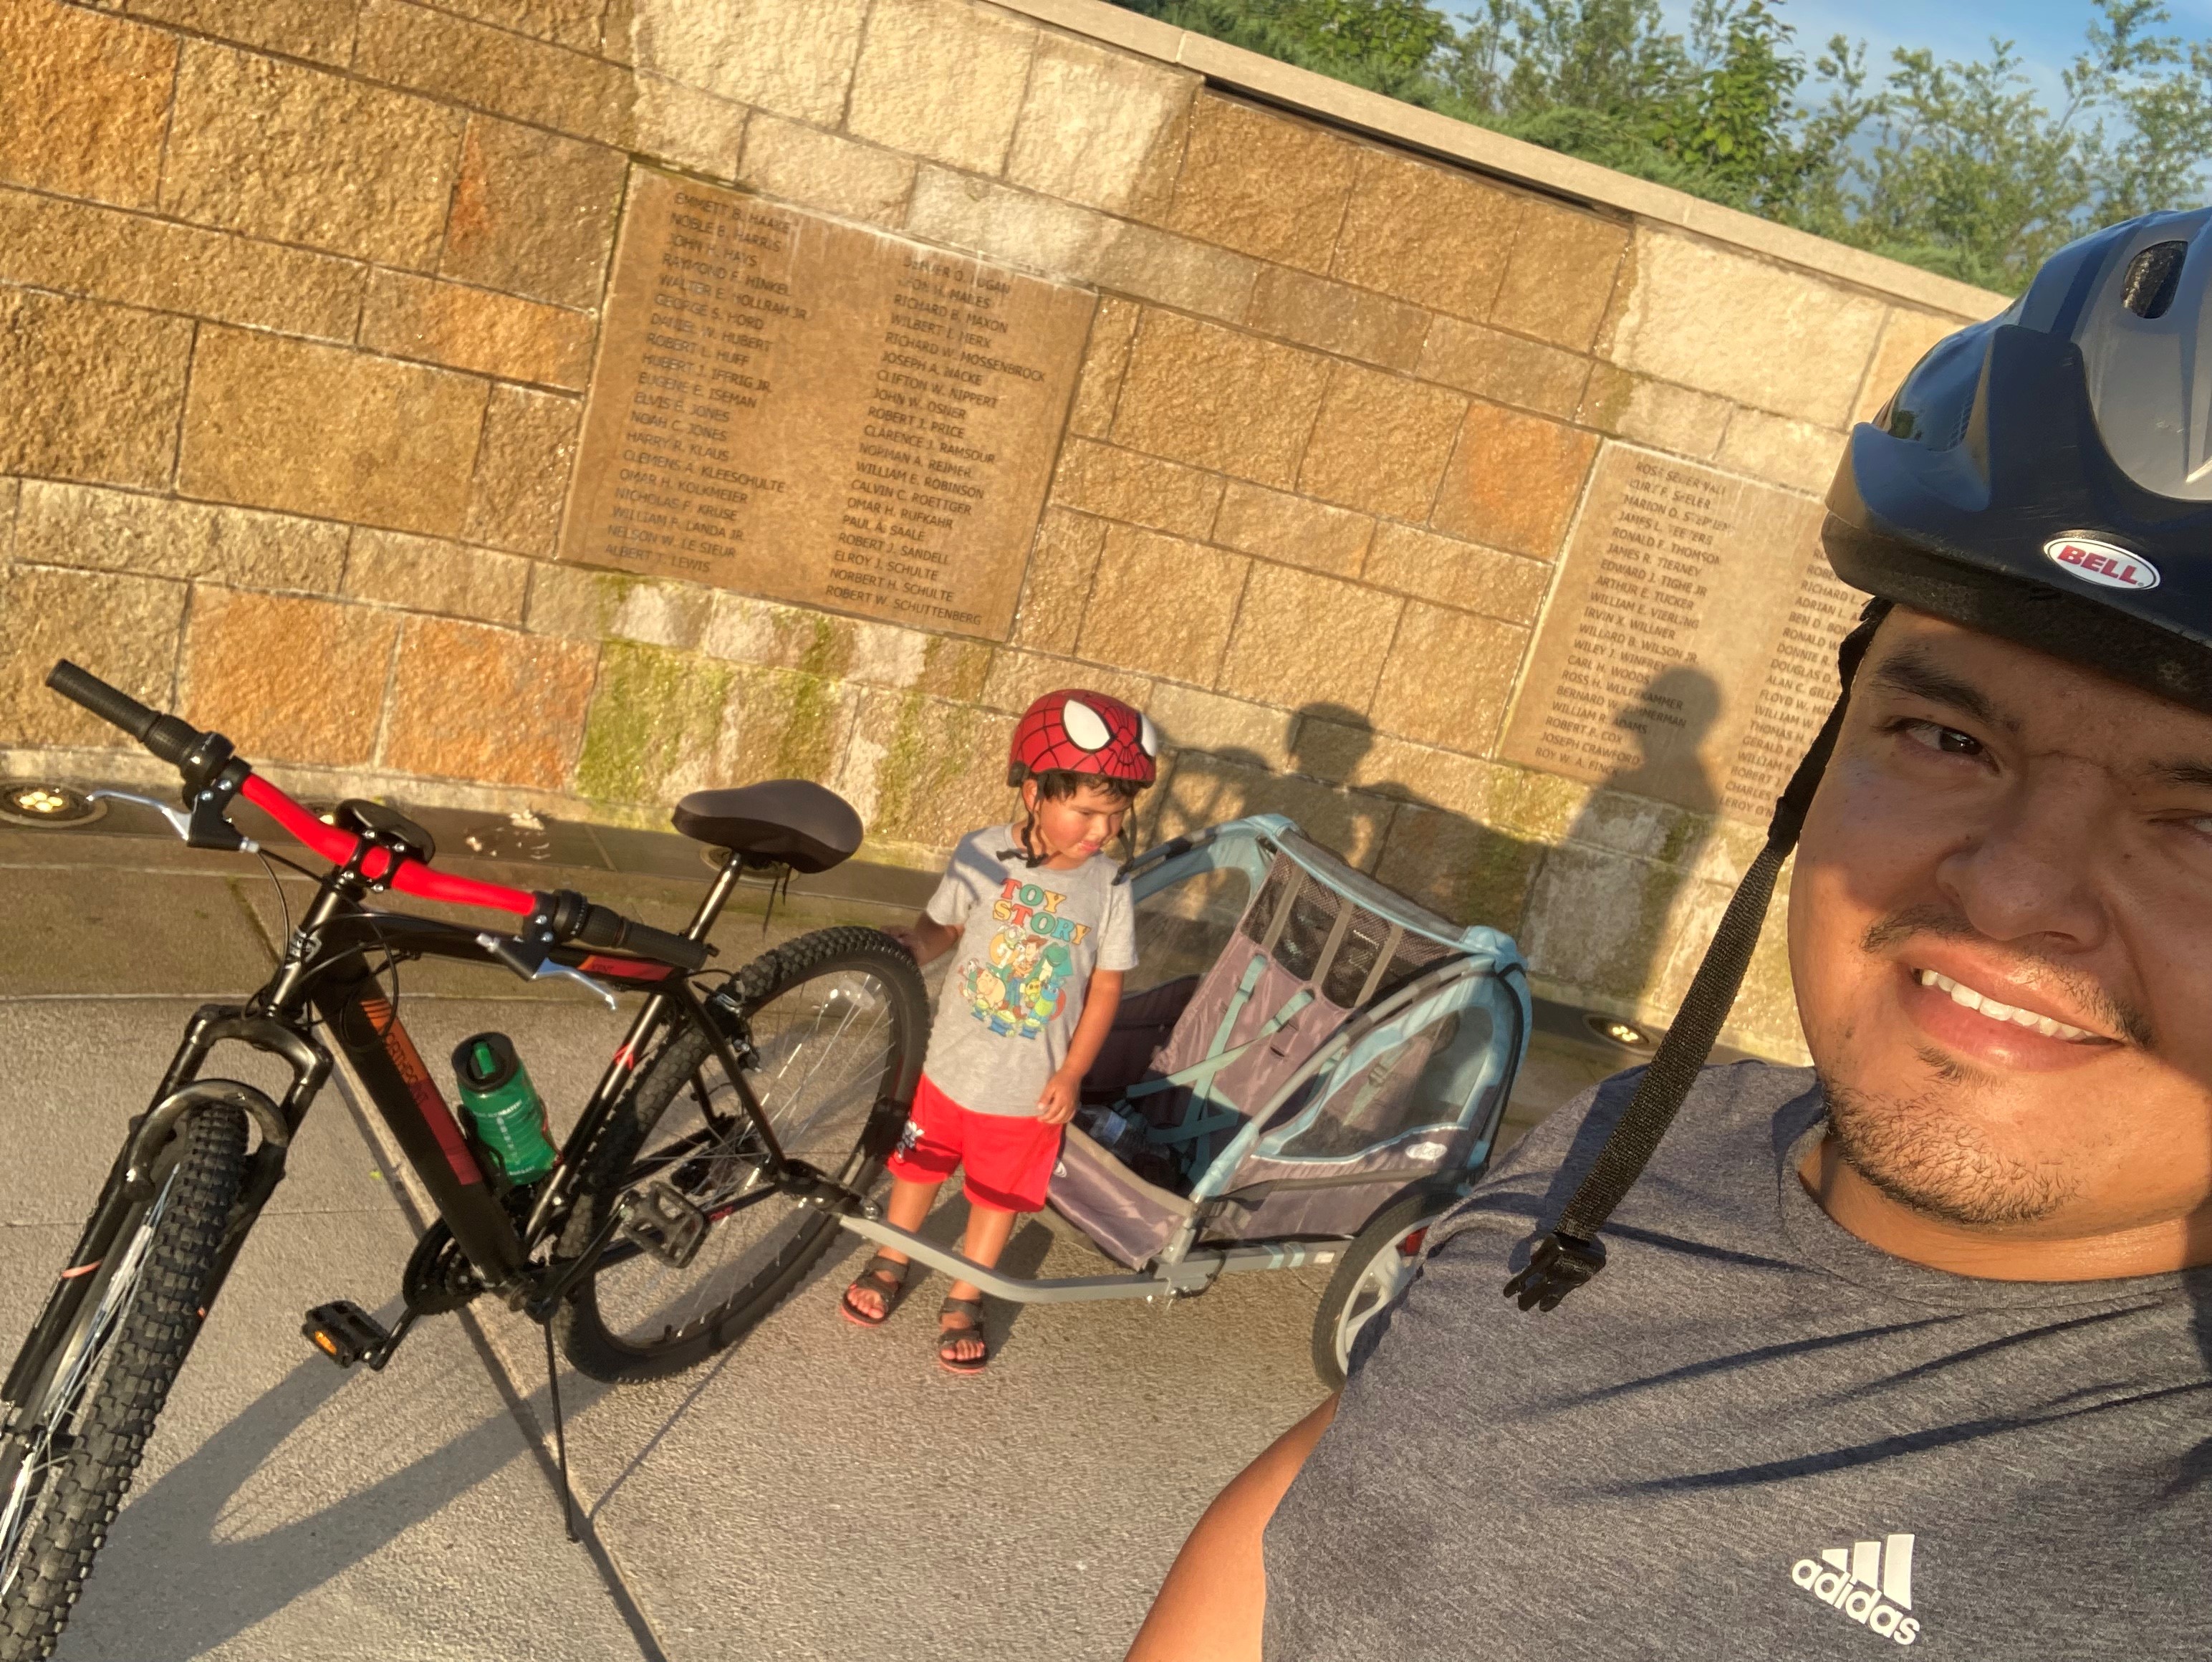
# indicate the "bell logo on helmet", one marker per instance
pixel 2102 562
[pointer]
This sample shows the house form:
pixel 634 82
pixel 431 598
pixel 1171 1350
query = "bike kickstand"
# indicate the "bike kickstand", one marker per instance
pixel 560 1437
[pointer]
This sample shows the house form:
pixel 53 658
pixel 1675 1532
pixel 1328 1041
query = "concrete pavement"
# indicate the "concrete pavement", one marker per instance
pixel 818 1491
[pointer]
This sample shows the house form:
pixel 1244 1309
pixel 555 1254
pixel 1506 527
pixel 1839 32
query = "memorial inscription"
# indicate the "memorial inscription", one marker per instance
pixel 1673 663
pixel 810 411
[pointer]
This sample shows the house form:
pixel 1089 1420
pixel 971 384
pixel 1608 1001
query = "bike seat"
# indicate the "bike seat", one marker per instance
pixel 792 822
pixel 386 824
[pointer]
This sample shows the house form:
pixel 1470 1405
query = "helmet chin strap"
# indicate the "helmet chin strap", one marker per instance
pixel 1571 1253
pixel 1026 853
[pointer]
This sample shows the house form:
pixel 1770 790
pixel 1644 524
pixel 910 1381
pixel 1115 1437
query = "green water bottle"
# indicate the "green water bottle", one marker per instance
pixel 504 1106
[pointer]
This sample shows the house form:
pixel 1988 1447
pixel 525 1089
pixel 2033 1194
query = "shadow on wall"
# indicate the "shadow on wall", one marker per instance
pixel 1589 907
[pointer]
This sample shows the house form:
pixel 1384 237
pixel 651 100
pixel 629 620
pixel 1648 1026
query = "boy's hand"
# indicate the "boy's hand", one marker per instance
pixel 1057 1105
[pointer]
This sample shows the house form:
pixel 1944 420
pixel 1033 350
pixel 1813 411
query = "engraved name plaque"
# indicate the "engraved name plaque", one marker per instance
pixel 1689 651
pixel 809 412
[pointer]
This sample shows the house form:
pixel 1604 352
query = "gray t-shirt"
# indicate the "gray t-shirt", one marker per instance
pixel 1752 1436
pixel 1029 940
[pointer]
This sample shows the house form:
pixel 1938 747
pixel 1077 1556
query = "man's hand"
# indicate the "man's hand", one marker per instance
pixel 1057 1105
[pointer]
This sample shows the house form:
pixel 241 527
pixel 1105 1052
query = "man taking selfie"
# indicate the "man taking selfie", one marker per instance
pixel 1910 1348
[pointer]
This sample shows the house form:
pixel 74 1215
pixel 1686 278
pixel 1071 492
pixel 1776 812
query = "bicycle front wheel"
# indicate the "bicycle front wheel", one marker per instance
pixel 68 1459
pixel 836 1021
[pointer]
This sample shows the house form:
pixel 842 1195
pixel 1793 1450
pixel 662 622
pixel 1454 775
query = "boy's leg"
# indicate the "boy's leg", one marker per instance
pixel 1009 1163
pixel 989 1228
pixel 907 1209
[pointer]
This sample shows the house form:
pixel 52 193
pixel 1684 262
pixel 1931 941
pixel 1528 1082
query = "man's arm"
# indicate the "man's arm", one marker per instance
pixel 1210 1607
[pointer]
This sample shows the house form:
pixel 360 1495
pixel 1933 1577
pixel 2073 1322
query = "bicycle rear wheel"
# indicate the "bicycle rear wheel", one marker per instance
pixel 69 1459
pixel 837 1021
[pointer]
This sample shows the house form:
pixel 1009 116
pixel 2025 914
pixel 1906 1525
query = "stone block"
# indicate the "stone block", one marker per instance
pixel 1220 398
pixel 1598 920
pixel 1018 680
pixel 1175 270
pixel 1504 368
pixel 1561 275
pixel 573 23
pixel 1419 774
pixel 82 525
pixel 1292 529
pixel 1654 413
pixel 1426 232
pixel 1381 442
pixel 1105 357
pixel 1336 317
pixel 1231 188
pixel 1449 572
pixel 243 656
pixel 522 470
pixel 1792 452
pixel 1205 790
pixel 1234 729
pixel 1302 638
pixel 942 79
pixel 1628 824
pixel 84 98
pixel 792 57
pixel 927 770
pixel 1449 677
pixel 280 423
pixel 1019 227
pixel 584 605
pixel 1161 604
pixel 533 213
pixel 1514 480
pixel 1906 336
pixel 124 628
pixel 1532 804
pixel 472 702
pixel 1764 1019
pixel 320 30
pixel 1468 872
pixel 1102 128
pixel 451 58
pixel 765 635
pixel 407 316
pixel 1057 586
pixel 50 242
pixel 423 573
pixel 1142 489
pixel 672 123
pixel 1777 339
pixel 296 155
pixel 822 171
pixel 655 721
pixel 89 391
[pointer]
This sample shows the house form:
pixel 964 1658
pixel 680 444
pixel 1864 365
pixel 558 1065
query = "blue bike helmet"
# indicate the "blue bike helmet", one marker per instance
pixel 2044 477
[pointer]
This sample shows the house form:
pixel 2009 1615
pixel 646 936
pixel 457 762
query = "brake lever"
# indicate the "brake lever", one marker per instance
pixel 179 821
pixel 532 962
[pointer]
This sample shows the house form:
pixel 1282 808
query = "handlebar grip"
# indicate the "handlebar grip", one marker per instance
pixel 165 736
pixel 604 928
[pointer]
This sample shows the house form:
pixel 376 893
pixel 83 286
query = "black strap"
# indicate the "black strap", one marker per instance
pixel 1573 1253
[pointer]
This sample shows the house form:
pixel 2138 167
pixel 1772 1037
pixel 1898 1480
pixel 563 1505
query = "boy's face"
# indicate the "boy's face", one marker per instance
pixel 1073 828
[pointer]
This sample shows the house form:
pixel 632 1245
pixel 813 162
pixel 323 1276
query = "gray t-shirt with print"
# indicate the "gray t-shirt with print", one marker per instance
pixel 1030 939
pixel 1752 1436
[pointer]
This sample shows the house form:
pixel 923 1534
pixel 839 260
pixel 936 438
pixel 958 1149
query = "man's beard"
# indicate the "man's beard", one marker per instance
pixel 1923 1152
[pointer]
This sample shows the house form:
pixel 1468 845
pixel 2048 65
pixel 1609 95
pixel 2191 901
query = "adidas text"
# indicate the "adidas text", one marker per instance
pixel 1871 1582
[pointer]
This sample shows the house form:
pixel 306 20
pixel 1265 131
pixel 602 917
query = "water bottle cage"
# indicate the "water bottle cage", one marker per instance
pixel 1560 1264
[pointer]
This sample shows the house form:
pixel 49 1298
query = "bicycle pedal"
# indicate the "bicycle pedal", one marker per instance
pixel 658 1220
pixel 346 1333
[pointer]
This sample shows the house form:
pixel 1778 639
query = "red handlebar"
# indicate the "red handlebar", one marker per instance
pixel 412 878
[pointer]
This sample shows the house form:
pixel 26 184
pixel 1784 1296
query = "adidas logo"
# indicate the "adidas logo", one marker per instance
pixel 1869 1581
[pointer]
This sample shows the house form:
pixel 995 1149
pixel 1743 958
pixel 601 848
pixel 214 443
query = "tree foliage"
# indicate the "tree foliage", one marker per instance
pixel 1963 167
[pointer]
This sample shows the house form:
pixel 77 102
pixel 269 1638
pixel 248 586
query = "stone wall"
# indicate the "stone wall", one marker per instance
pixel 298 308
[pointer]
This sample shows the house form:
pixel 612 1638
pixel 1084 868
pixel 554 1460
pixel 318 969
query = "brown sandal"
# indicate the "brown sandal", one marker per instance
pixel 886 1278
pixel 947 1337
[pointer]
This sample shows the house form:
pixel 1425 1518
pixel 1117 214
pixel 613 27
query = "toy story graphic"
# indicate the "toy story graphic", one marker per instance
pixel 1019 985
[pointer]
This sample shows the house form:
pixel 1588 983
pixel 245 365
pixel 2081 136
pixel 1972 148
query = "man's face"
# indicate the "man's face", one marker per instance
pixel 1998 830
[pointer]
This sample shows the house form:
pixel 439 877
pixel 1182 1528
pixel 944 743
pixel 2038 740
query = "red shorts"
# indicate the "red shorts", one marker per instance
pixel 1009 1157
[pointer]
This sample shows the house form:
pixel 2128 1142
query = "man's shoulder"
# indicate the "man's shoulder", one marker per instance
pixel 1727 1101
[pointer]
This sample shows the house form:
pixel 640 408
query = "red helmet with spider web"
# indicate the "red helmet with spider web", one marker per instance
pixel 1080 732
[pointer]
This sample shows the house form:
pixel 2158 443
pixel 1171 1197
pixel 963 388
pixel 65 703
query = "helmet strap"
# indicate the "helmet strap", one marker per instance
pixel 1571 1253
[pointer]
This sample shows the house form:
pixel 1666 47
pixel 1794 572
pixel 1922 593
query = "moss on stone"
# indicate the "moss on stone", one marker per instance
pixel 654 710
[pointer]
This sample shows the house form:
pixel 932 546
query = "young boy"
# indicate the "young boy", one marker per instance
pixel 1044 935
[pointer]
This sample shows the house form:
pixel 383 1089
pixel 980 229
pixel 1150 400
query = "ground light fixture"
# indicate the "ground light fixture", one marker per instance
pixel 42 802
pixel 1624 1033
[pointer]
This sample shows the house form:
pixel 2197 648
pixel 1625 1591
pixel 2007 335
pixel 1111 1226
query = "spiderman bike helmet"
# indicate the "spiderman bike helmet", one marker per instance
pixel 1088 735
pixel 2046 478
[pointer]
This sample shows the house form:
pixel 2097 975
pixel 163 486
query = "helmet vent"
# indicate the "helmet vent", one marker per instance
pixel 2154 278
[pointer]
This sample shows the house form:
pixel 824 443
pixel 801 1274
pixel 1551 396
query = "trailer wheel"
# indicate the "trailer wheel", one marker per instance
pixel 1372 1272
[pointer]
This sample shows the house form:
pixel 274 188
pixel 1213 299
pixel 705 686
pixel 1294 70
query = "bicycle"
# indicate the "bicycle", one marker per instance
pixel 747 1113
